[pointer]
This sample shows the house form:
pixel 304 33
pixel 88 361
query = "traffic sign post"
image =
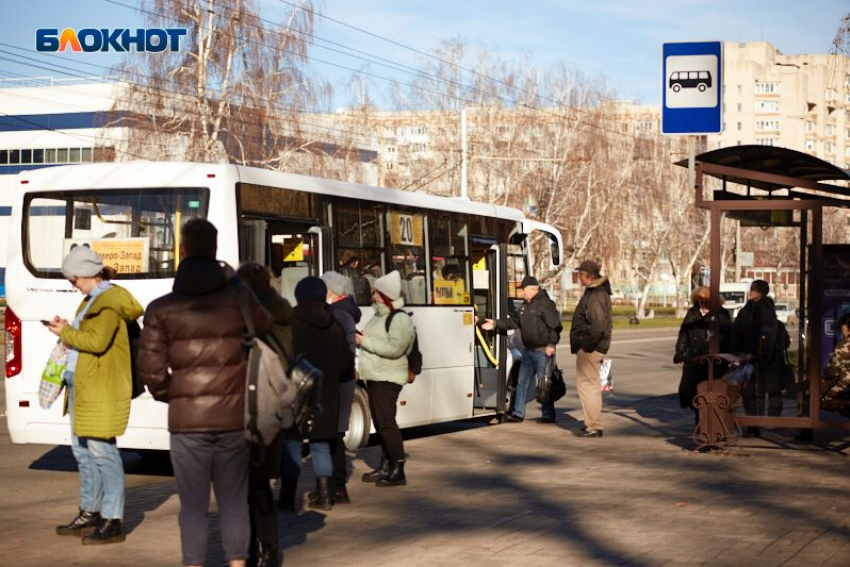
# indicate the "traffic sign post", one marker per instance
pixel 692 93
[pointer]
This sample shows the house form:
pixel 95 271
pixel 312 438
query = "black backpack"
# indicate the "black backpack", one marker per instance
pixel 414 357
pixel 134 334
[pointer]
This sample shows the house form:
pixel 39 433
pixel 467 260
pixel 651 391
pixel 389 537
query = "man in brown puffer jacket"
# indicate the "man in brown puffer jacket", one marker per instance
pixel 192 358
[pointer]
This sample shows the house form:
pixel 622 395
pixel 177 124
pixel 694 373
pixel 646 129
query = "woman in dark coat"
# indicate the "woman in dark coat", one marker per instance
pixel 264 545
pixel 693 342
pixel 319 338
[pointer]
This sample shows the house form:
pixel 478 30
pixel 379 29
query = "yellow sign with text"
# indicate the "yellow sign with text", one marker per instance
pixel 126 255
pixel 406 230
pixel 450 292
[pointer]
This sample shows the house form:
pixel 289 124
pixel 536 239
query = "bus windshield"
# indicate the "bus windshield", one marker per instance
pixel 133 230
pixel 734 296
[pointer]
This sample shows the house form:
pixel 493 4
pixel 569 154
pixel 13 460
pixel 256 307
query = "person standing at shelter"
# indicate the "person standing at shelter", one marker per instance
pixel 192 357
pixel 590 339
pixel 347 313
pixel 693 342
pixel 754 335
pixel 98 375
pixel 539 325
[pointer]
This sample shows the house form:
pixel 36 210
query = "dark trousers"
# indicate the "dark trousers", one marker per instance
pixel 753 396
pixel 220 459
pixel 264 466
pixel 338 456
pixel 263 512
pixel 383 401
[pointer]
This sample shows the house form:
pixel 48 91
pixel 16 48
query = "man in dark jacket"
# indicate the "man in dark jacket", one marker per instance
pixel 754 333
pixel 539 324
pixel 590 339
pixel 191 357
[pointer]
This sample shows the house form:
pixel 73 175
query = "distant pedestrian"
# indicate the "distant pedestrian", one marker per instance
pixel 590 339
pixel 348 314
pixel 384 365
pixel 539 325
pixel 319 338
pixel 192 357
pixel 266 461
pixel 693 342
pixel 98 375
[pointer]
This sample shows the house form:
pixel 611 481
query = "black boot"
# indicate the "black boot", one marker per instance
pixel 85 521
pixel 324 499
pixel 341 495
pixel 107 531
pixel 379 472
pixel 395 477
pixel 286 502
pixel 267 555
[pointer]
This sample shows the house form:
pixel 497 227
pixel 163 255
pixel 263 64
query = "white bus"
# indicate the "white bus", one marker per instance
pixel 457 259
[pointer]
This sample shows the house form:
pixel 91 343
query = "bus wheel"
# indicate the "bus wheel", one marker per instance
pixel 360 421
pixel 701 87
pixel 677 88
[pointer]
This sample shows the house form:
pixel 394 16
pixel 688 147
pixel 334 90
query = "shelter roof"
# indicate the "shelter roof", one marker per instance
pixel 770 160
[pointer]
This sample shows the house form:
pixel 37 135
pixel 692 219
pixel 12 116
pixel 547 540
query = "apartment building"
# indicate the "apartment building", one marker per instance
pixel 800 102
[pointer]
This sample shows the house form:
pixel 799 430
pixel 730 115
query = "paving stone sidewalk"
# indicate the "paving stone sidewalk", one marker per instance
pixel 523 494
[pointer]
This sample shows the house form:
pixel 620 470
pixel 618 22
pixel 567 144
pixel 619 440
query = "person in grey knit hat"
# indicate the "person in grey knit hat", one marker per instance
pixel 82 262
pixel 345 310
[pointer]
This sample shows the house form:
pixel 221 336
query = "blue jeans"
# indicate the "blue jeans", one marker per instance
pixel 101 471
pixel 320 452
pixel 532 364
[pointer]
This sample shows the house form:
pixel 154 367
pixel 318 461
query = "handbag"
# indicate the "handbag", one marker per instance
pixel 52 383
pixel 551 386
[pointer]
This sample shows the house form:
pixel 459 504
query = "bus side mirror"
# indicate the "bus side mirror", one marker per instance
pixel 556 253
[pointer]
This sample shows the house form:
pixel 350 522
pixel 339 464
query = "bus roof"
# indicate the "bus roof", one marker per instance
pixel 114 175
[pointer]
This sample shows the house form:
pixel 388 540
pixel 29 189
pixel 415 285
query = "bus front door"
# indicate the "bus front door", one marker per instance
pixel 292 250
pixel 490 289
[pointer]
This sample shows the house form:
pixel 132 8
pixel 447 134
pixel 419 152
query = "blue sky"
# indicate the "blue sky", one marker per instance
pixel 616 39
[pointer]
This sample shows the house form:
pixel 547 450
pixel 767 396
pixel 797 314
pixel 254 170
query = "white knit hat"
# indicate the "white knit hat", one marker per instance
pixel 390 285
pixel 82 262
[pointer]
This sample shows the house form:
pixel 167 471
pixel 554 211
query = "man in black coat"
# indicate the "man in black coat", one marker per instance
pixel 539 324
pixel 590 339
pixel 754 333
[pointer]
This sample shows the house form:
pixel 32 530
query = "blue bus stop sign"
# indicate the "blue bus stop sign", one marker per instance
pixel 692 93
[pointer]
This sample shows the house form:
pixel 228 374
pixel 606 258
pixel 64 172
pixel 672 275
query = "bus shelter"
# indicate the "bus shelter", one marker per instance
pixel 771 188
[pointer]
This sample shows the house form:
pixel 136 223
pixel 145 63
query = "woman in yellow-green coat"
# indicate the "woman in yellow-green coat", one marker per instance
pixel 98 375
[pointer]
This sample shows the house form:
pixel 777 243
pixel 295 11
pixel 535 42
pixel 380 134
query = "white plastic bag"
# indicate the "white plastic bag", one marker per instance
pixel 52 382
pixel 606 381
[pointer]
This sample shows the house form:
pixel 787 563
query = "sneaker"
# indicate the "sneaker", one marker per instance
pixel 511 418
pixel 590 433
